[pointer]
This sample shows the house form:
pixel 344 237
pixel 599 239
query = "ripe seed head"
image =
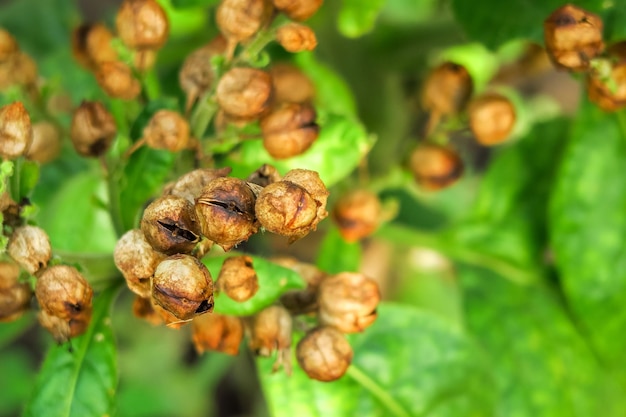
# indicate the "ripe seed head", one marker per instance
pixel 170 225
pixel 93 129
pixel 137 261
pixel 8 45
pixel 217 332
pixel 46 143
pixel 435 167
pixel 144 309
pixel 18 69
pixel 289 130
pixel 357 214
pixel 91 45
pixel 196 75
pixel 324 354
pixel 600 91
pixel 492 118
pixel 239 20
pixel 311 181
pixel 30 247
pixel 295 37
pixel 298 10
pixel 14 295
pixel 191 184
pixel 142 24
pixel 447 89
pixel 16 132
pixel 264 176
pixel 238 278
pixel 167 130
pixel 117 81
pixel 270 331
pixel 290 84
pixel 244 92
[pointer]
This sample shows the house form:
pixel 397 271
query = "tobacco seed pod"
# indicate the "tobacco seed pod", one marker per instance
pixel 299 10
pixel 8 45
pixel 191 184
pixel 573 37
pixel 137 261
pixel 167 130
pixel 357 214
pixel 435 167
pixel 142 24
pixel 14 295
pixel 217 332
pixel 16 132
pixel 46 144
pixel 244 92
pixel 348 301
pixel 289 130
pixel 311 181
pixel 183 286
pixel 65 299
pixel 117 81
pixel 324 354
pixel 239 20
pixel 29 246
pixel 238 278
pixel 290 84
pixel 93 129
pixel 447 89
pixel 270 331
pixel 226 212
pixel 301 301
pixel 295 37
pixel 600 90
pixel 91 45
pixel 170 225
pixel 264 176
pixel 18 69
pixel 491 118
pixel 143 309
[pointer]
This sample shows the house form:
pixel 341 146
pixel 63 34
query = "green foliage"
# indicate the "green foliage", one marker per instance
pixel 358 17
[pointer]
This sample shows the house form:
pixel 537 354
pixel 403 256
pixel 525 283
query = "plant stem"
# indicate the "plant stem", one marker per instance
pixel 202 115
pixel 377 391
pixel 151 85
pixel 113 190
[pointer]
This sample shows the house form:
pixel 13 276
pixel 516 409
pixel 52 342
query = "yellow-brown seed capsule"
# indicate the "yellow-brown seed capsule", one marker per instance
pixel 573 37
pixel 190 185
pixel 295 37
pixel 137 261
pixel 167 130
pixel 170 225
pixel 29 246
pixel 16 132
pixel 600 91
pixel 311 181
pixel 218 333
pixel 46 144
pixel 93 129
pixel 290 84
pixel 142 24
pixel 289 130
pixel 491 118
pixel 447 89
pixel 143 309
pixel 182 285
pixel 8 45
pixel 239 20
pixel 18 69
pixel 270 331
pixel 117 80
pixel 244 92
pixel 299 10
pixel 238 279
pixel 435 167
pixel 324 354
pixel 14 295
pixel 301 301
pixel 357 214
pixel 91 45
pixel 264 176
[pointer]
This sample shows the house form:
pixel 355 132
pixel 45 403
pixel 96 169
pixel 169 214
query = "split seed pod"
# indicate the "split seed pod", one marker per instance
pixel 117 81
pixel 46 144
pixel 14 295
pixel 435 167
pixel 298 10
pixel 244 92
pixel 30 247
pixel 491 118
pixel 264 176
pixel 218 333
pixel 324 354
pixel 311 181
pixel 170 225
pixel 93 129
pixel 295 37
pixel 16 132
pixel 289 130
pixel 137 261
pixel 167 130
pixel 239 20
pixel 142 24
pixel 357 214
pixel 238 278
pixel 191 184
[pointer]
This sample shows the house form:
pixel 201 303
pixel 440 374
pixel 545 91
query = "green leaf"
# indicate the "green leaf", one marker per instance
pixel 18 373
pixel 11 330
pixel 80 382
pixel 274 280
pixel 336 255
pixel 357 17
pixel 24 179
pixel 588 228
pixel 543 366
pixel 408 363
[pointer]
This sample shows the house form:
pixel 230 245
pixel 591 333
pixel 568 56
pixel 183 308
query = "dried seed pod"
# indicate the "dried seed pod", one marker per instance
pixel 357 214
pixel 93 129
pixel 167 130
pixel 238 278
pixel 91 45
pixel 301 301
pixel 14 295
pixel 142 24
pixel 117 80
pixel 183 286
pixel 348 301
pixel 16 132
pixel 295 37
pixel 324 354
pixel 573 37
pixel 19 69
pixel 244 92
pixel 264 176
pixel 491 118
pixel 271 331
pixel 143 309
pixel 239 20
pixel 46 144
pixel 8 45
pixel 30 247
pixel 65 299
pixel 289 130
pixel 600 91
pixel 435 167
pixel 217 332
pixel 299 10
pixel 170 225
pixel 311 181
pixel 226 212
pixel 137 261
pixel 447 89
pixel 191 184
pixel 290 84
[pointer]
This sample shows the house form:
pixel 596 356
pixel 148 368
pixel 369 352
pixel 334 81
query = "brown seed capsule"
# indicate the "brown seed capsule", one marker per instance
pixel 238 278
pixel 357 214
pixel 183 286
pixel 142 24
pixel 270 331
pixel 91 45
pixel 217 332
pixel 137 261
pixel 435 166
pixel 19 69
pixel 299 10
pixel 117 80
pixel 167 130
pixel 573 37
pixel 295 37
pixel 165 317
pixel 143 309
pixel 8 45
pixel 348 301
pixel 16 132
pixel 311 181
pixel 46 144
pixel 65 300
pixel 226 212
pixel 264 176
pixel 30 247
pixel 290 84
pixel 600 90
pixel 244 92
pixel 191 184
pixel 170 225
pixel 14 295
pixel 239 20
pixel 491 118
pixel 93 129
pixel 301 301
pixel 447 89
pixel 289 130
pixel 324 354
